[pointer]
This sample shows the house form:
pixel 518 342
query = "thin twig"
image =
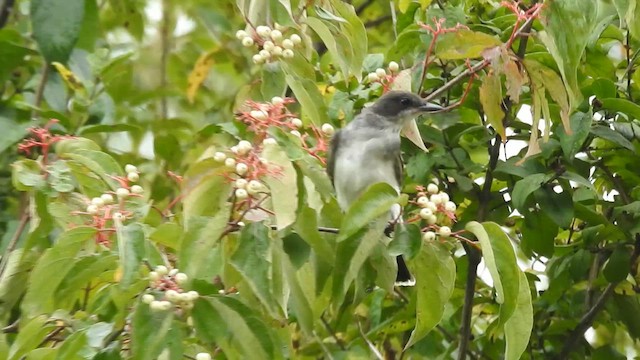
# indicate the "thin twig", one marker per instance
pixel 164 32
pixel 371 345
pixel 14 240
pixel 363 6
pixel 333 334
pixel 40 89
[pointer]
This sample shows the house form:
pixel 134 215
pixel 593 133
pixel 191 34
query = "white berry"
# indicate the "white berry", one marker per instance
pixel 254 187
pixel 426 213
pixel 393 66
pixel 372 77
pixel 203 356
pixel 432 206
pixel 241 194
pixel 92 209
pixel 219 156
pixel 432 188
pixel 153 275
pixel 133 176
pixel 172 295
pixel 296 39
pixel 296 133
pixel 328 129
pixel 173 272
pixel 287 44
pixel 265 54
pixel 436 199
pixel 444 231
pixel 162 270
pixel 241 183
pixel 181 278
pixel 269 141
pixel 268 45
pixel 277 51
pixel 241 169
pixel 137 189
pixel 444 196
pixel 423 201
pixel 247 41
pixel 193 295
pixel 130 168
pixel 287 53
pixel 257 59
pixel 450 206
pixel 241 34
pixel 296 122
pixel 122 192
pixel 381 72
pixel 97 201
pixel 277 100
pixel 244 147
pixel 431 220
pixel 258 114
pixel 107 198
pixel 147 298
pixel 276 35
pixel 230 162
pixel 429 236
pixel 263 30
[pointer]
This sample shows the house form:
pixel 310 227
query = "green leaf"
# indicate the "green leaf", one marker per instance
pixel 376 201
pixel 13 282
pixel 491 99
pixel 568 26
pixel 202 236
pixel 622 106
pixel 329 39
pixel 99 163
pixel 517 330
pixel 273 81
pixel 12 131
pixel 307 227
pixel 310 99
pixel 407 240
pixel 580 126
pixel 253 261
pixel 56 26
pixel 523 188
pixel 615 137
pixel 51 269
pixel 604 88
pixel 206 190
pixel 558 206
pixel 226 322
pixel 464 44
pixel 27 175
pixel 300 300
pixel 617 267
pixel 283 187
pixel 500 259
pixel 435 273
pixel 131 249
pixel 149 334
pixel 32 331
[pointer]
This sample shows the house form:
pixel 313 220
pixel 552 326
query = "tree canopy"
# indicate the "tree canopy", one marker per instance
pixel 165 196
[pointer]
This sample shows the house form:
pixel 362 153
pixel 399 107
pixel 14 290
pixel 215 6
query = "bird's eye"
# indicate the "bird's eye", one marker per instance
pixel 405 101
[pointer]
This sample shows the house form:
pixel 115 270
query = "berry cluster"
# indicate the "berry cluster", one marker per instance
pixel 436 210
pixel 381 76
pixel 105 210
pixel 271 42
pixel 203 356
pixel 167 285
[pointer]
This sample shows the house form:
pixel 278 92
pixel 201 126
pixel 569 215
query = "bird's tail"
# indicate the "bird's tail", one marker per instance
pixel 404 277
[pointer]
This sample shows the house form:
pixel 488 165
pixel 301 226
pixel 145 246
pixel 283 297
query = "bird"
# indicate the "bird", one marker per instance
pixel 367 151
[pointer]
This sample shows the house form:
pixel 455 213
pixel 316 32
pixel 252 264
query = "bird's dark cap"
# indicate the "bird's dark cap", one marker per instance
pixel 395 103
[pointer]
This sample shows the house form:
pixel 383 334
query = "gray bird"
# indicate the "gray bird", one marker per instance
pixel 367 151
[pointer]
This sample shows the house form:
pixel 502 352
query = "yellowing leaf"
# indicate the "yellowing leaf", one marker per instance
pixel 543 77
pixel 514 80
pixel 403 5
pixel 491 100
pixel 464 44
pixel 199 74
pixel 69 77
pixel 534 146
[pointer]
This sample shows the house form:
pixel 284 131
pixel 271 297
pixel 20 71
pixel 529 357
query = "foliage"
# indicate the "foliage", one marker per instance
pixel 224 239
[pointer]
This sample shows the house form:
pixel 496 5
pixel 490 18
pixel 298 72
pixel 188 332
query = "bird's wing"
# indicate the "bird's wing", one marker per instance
pixel 398 168
pixel 333 151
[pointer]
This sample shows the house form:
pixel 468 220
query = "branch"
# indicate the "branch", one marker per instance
pixel 363 6
pixel 5 10
pixel 40 89
pixel 14 240
pixel 164 43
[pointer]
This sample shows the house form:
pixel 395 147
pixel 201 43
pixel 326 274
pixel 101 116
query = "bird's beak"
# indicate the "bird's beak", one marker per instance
pixel 410 129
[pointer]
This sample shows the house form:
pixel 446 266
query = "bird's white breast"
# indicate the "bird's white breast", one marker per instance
pixel 360 165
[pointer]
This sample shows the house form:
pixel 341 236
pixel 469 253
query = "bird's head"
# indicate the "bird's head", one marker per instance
pixel 400 107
